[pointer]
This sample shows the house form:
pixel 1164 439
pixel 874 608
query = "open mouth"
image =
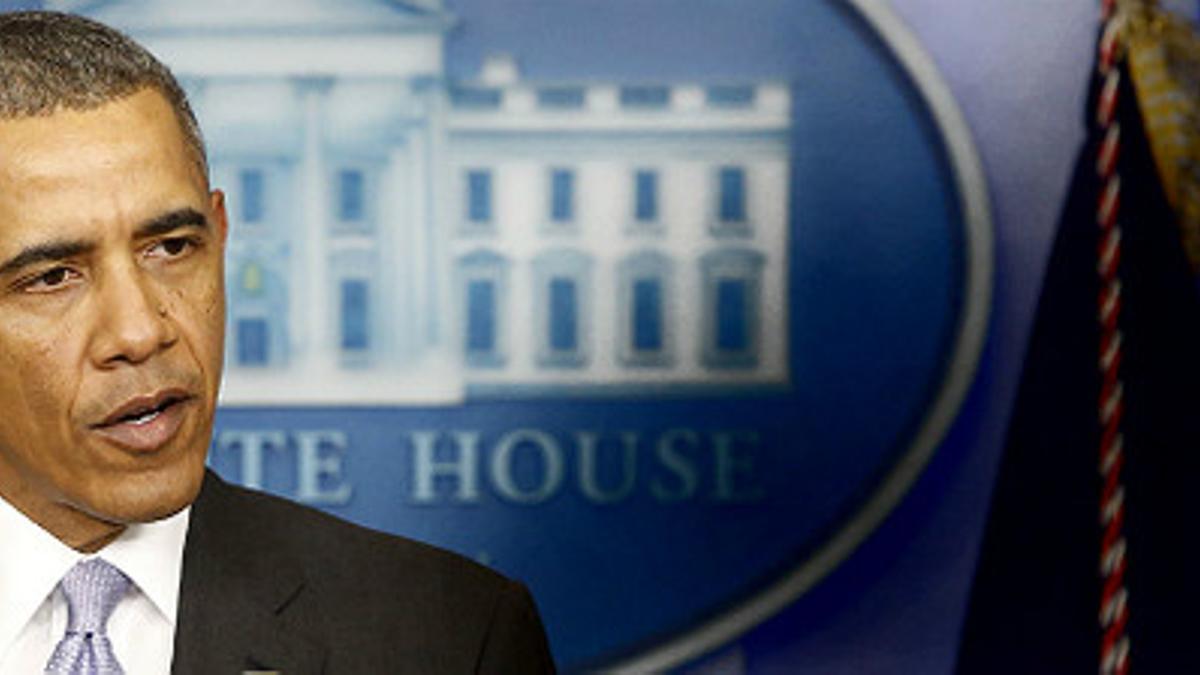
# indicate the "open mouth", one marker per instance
pixel 145 424
pixel 142 417
pixel 143 410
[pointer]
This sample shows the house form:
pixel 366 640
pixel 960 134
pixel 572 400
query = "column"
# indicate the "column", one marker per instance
pixel 313 315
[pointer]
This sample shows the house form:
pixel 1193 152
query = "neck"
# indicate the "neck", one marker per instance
pixel 95 543
pixel 76 529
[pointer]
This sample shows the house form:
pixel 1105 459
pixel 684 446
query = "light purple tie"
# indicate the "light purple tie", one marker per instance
pixel 93 588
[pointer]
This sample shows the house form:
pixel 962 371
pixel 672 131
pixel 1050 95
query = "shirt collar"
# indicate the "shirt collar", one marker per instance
pixel 151 555
pixel 33 561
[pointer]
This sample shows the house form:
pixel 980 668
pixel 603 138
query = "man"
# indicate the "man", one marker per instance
pixel 111 339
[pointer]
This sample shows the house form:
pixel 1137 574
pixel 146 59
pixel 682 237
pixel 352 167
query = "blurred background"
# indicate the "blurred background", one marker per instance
pixel 703 318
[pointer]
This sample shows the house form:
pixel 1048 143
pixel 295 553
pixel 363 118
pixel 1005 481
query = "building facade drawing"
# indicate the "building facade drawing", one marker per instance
pixel 401 237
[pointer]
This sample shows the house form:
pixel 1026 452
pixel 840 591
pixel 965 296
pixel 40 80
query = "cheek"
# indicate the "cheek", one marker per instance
pixel 214 306
pixel 41 374
pixel 203 310
pixel 51 373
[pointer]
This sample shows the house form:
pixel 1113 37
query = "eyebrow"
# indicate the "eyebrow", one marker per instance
pixel 169 222
pixel 63 249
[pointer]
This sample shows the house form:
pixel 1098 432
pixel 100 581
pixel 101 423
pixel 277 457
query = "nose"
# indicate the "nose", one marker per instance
pixel 133 322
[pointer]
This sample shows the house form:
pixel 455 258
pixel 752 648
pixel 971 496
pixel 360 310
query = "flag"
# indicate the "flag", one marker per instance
pixel 1091 554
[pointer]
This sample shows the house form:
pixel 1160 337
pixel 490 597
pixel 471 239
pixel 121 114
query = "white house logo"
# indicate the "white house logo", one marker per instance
pixel 662 322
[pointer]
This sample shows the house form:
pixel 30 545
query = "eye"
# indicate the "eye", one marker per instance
pixel 171 247
pixel 50 280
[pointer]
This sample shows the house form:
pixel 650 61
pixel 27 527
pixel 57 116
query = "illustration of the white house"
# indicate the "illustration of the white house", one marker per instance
pixel 399 237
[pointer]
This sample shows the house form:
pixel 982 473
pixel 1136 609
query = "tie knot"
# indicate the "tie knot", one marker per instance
pixel 93 588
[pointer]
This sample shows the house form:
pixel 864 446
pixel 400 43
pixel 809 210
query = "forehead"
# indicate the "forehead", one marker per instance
pixel 123 160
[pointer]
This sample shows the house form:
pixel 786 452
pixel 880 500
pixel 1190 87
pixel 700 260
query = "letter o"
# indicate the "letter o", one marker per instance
pixel 501 466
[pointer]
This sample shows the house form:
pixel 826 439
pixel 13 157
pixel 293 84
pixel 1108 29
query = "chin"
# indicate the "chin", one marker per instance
pixel 149 497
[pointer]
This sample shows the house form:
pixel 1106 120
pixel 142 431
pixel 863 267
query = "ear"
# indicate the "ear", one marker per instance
pixel 219 217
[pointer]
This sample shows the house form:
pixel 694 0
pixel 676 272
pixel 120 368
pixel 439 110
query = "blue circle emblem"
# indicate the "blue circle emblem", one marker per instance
pixel 660 310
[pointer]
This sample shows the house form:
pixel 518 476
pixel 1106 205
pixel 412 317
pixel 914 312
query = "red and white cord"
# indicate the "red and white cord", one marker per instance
pixel 1114 609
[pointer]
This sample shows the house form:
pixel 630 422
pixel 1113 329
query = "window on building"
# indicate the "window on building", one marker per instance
pixel 645 96
pixel 475 98
pixel 732 320
pixel 562 195
pixel 482 287
pixel 351 196
pixel 481 316
pixel 253 192
pixel 561 280
pixel 257 312
pixel 645 201
pixel 732 282
pixel 253 342
pixel 355 315
pixel 647 315
pixel 732 194
pixel 564 315
pixel 479 196
pixel 643 294
pixel 252 282
pixel 562 98
pixel 730 96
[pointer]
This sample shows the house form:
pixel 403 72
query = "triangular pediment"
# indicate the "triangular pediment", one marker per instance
pixel 272 16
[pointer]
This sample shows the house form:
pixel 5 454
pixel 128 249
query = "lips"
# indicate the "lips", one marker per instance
pixel 145 423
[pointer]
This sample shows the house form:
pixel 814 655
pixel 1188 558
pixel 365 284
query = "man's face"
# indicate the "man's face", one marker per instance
pixel 112 311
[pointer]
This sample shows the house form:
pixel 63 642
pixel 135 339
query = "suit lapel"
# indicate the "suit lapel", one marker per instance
pixel 238 606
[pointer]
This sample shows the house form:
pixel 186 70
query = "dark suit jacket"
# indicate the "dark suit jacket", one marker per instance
pixel 271 585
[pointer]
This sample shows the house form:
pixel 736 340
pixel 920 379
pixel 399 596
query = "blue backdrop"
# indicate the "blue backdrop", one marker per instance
pixel 895 606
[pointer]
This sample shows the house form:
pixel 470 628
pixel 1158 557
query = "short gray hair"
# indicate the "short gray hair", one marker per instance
pixel 51 61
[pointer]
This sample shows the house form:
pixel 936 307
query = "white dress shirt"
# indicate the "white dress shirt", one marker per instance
pixel 33 610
